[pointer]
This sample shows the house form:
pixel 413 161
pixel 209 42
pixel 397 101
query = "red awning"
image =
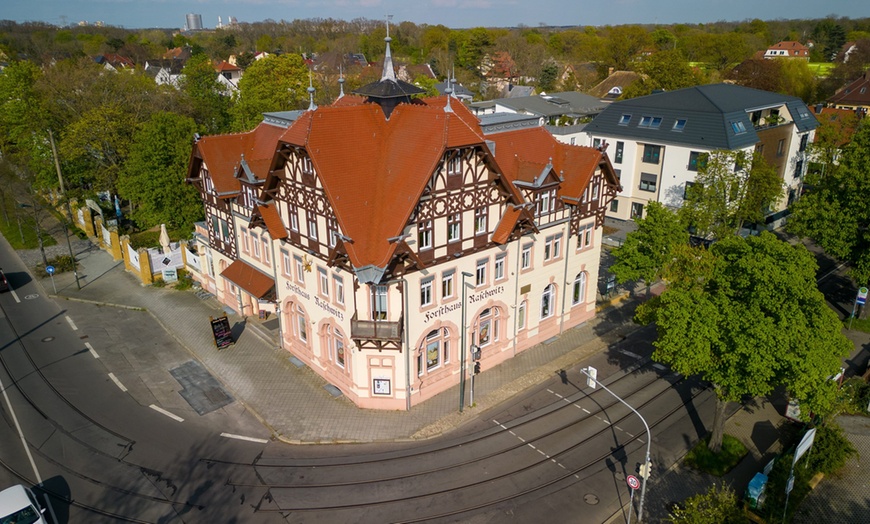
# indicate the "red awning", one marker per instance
pixel 249 278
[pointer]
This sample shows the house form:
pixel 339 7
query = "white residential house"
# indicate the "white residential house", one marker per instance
pixel 656 142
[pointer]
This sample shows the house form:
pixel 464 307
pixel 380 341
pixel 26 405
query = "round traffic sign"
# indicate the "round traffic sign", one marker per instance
pixel 632 481
pixel 49 270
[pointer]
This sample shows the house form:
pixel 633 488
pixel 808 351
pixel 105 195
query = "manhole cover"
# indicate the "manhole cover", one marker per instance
pixel 48 339
pixel 590 499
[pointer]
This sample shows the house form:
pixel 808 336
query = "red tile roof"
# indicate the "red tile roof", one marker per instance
pixel 856 94
pixel 273 221
pixel 249 278
pixel 515 151
pixel 374 170
pixel 223 155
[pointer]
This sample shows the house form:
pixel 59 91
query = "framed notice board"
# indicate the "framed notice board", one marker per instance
pixel 223 335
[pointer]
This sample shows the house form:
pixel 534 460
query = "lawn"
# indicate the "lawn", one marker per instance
pixel 19 227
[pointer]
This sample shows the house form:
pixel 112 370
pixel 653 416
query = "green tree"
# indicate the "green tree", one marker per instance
pixel 746 315
pixel 275 83
pixel 624 44
pixel 153 176
pixel 22 120
pixel 665 70
pixel 647 250
pixel 548 77
pixel 209 98
pixel 717 506
pixel 732 188
pixel 834 213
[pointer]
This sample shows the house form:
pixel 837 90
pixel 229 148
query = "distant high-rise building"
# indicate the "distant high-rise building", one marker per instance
pixel 194 22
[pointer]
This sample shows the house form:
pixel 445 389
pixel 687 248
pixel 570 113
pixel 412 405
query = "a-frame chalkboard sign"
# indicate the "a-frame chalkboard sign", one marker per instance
pixel 223 335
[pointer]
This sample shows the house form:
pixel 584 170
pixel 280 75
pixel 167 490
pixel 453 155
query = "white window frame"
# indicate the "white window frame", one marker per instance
pixel 548 298
pixel 498 269
pixel 426 292
pixel 526 257
pixel 338 284
pixel 447 285
pixel 324 281
pixel 578 290
pixel 480 272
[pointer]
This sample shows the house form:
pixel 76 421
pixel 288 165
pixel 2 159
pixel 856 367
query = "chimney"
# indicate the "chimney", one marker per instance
pixel 819 108
pixel 609 71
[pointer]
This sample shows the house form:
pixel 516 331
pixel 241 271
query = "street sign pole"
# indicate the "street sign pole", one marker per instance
pixel 860 300
pixel 633 484
pixel 50 271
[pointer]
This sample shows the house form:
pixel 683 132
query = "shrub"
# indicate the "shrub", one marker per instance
pixel 717 506
pixel 716 463
pixel 62 264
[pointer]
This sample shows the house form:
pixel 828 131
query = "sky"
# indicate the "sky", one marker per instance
pixel 134 14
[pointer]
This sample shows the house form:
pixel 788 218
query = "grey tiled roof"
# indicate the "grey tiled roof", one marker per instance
pixel 555 104
pixel 708 111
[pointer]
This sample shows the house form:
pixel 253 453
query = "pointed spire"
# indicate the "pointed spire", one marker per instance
pixel 340 82
pixel 311 105
pixel 453 79
pixel 389 73
pixel 448 92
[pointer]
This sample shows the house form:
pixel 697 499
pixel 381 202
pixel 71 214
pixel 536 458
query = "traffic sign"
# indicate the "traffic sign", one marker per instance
pixel 862 296
pixel 632 481
pixel 49 270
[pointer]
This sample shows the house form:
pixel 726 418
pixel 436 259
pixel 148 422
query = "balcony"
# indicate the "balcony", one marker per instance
pixel 376 334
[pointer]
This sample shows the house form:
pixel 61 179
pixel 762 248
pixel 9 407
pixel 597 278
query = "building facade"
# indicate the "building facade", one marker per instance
pixel 397 241
pixel 657 142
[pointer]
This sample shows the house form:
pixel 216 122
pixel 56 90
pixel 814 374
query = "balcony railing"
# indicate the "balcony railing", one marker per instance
pixel 376 330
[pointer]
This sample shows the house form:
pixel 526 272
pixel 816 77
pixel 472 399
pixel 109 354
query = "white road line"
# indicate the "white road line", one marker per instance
pixel 249 439
pixel 21 434
pixel 619 428
pixel 659 367
pixel 586 411
pixel 629 353
pixel 91 349
pixel 168 414
pixel 15 296
pixel 117 382
pixel 71 323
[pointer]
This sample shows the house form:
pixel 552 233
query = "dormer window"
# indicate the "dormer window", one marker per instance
pixel 652 122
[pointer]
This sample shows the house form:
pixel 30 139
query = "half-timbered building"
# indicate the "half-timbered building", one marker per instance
pixel 397 241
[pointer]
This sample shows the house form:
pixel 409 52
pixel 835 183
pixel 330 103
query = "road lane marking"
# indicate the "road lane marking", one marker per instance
pixel 164 412
pixel 15 296
pixel 91 349
pixel 629 353
pixel 529 444
pixel 21 434
pixel 71 323
pixel 117 382
pixel 242 437
pixel 660 367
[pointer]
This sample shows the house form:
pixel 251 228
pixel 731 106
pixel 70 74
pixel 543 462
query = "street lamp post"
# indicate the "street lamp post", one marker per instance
pixel 462 349
pixel 591 374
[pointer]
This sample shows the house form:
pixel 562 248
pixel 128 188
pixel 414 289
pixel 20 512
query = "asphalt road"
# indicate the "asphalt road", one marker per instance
pixel 78 424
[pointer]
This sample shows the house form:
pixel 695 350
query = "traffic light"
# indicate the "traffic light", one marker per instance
pixel 645 469
pixel 476 368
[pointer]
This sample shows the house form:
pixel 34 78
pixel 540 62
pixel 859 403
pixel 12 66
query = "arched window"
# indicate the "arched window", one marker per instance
pixel 434 350
pixel 578 295
pixel 334 342
pixel 487 327
pixel 548 299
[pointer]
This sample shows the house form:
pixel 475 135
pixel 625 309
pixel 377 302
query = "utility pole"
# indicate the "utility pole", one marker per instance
pixel 68 208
